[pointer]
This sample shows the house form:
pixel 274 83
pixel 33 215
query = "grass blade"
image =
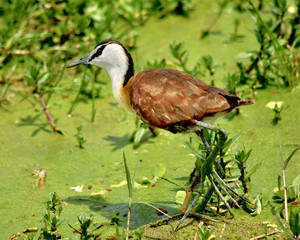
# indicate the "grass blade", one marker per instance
pixel 157 209
pixel 129 183
pixel 56 83
pixel 289 158
pixel 170 181
pixel 79 91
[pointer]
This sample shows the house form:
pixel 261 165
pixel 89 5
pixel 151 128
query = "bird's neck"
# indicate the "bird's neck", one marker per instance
pixel 120 73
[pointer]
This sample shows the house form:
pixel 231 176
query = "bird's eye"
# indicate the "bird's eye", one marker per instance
pixel 98 52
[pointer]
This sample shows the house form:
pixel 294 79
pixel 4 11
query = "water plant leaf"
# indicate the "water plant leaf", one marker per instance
pixel 30 81
pixel 129 183
pixel 230 143
pixel 157 209
pixel 232 178
pixel 285 62
pixel 286 162
pixel 159 171
pixel 139 134
pixel 296 181
pixel 38 234
pixel 146 181
pixel 179 197
pixel 285 230
pixel 206 234
pixel 258 206
pixel 246 54
pixel 294 221
pixel 44 77
pixel 170 181
pixel 253 170
pixel 293 192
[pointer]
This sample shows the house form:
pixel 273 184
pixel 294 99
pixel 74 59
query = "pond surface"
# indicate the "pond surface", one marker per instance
pixel 27 144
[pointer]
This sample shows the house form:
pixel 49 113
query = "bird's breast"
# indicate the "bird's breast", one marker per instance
pixel 124 97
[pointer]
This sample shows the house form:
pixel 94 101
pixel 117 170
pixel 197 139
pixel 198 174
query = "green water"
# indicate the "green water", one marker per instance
pixel 27 144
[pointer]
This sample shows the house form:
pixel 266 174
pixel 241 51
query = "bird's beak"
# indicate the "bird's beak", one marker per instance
pixel 81 60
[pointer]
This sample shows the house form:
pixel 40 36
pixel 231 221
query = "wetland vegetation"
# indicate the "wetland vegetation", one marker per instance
pixel 74 162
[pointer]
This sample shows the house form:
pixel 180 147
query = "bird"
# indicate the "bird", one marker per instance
pixel 162 98
pixel 165 98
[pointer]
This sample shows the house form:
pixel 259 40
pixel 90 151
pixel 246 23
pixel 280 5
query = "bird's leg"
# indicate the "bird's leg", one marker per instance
pixel 153 131
pixel 207 166
pixel 206 144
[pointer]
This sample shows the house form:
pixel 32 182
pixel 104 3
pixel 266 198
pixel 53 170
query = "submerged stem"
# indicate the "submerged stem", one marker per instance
pixel 46 110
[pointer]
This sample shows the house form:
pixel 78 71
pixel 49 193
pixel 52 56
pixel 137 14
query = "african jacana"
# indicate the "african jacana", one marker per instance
pixel 162 98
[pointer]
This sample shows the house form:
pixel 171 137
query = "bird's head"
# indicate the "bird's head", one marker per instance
pixel 109 54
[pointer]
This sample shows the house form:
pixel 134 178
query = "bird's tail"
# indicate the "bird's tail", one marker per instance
pixel 243 102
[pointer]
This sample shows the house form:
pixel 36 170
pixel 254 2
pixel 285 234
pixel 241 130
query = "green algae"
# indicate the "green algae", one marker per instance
pixel 27 144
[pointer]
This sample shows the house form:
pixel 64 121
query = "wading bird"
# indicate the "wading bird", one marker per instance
pixel 162 98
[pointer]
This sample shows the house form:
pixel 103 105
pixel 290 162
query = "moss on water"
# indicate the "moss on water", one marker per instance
pixel 27 144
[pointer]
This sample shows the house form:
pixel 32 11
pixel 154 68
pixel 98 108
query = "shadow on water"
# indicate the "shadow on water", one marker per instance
pixel 121 142
pixel 118 142
pixel 230 116
pixel 141 214
pixel 35 122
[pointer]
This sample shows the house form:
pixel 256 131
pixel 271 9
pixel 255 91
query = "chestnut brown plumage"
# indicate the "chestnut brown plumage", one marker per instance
pixel 173 100
pixel 162 98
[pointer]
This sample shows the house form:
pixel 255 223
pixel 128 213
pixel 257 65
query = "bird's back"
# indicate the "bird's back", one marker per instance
pixel 173 100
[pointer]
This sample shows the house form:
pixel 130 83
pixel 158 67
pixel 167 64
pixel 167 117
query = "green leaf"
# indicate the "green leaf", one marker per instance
pixel 289 158
pixel 139 134
pixel 293 192
pixel 129 183
pixel 179 197
pixel 159 171
pixel 285 63
pixel 43 78
pixel 205 234
pixel 191 149
pixel 246 54
pixel 257 206
pixel 170 181
pixel 279 181
pixel 76 230
pixel 230 143
pixel 232 178
pixel 96 227
pixel 285 230
pixel 38 234
pixel 30 81
pixel 253 170
pixel 145 181
pixel 140 233
pixel 296 180
pixel 294 221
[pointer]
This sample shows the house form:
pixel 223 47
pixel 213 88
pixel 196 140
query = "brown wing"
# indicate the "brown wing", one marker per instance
pixel 164 97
